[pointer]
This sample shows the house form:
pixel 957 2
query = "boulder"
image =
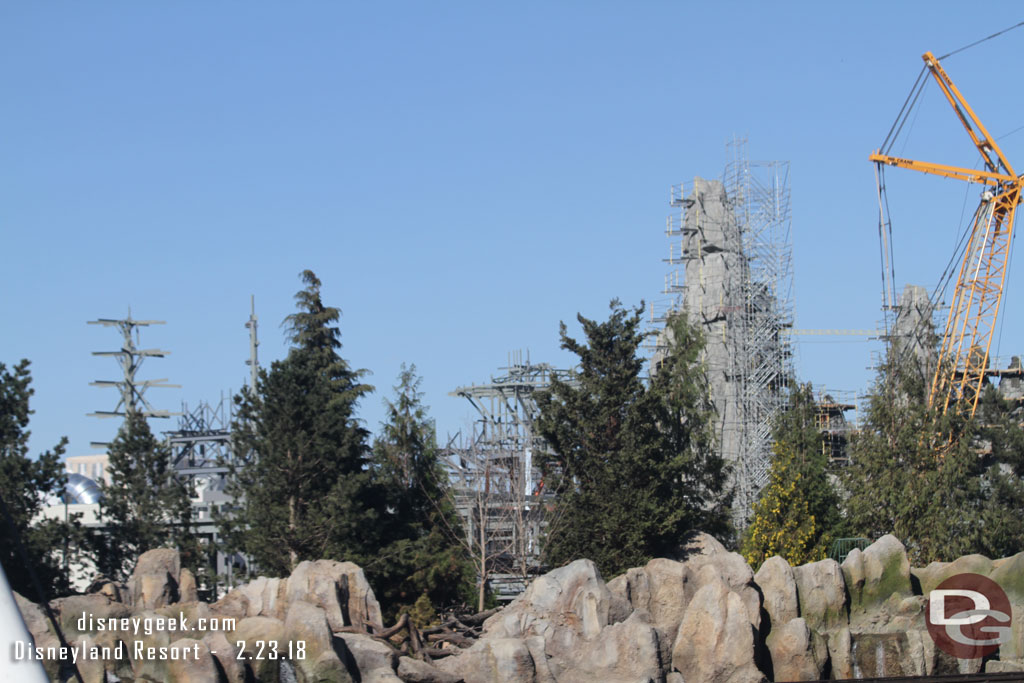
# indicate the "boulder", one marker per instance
pixel 340 589
pixel 155 581
pixel 620 590
pixel 366 653
pixel 821 593
pixel 492 660
pixel 1014 649
pixel 42 634
pixel 935 573
pixel 116 668
pixel 191 612
pixel 564 606
pixel 35 618
pixel 325 670
pixel 226 655
pixel 1008 572
pixel 798 654
pixel 70 610
pixel 146 665
pixel 542 662
pixel 778 589
pixel 91 670
pixel 840 652
pixel 192 669
pixel 261 597
pixel 662 589
pixel 910 653
pixel 380 676
pixel 188 591
pixel 115 590
pixel 716 640
pixel 627 651
pixel 251 629
pixel 414 671
pixel 703 550
pixel 308 624
pixel 875 574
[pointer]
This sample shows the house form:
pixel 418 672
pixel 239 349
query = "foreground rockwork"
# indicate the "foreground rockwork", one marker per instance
pixel 704 617
pixel 707 617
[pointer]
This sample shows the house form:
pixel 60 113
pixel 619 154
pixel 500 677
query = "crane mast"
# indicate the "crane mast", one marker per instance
pixel 966 342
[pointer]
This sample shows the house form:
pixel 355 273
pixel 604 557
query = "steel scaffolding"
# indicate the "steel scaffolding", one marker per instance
pixel 497 481
pixel 731 273
pixel 759 196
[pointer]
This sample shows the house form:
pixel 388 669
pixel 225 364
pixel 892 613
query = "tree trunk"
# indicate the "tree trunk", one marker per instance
pixel 483 559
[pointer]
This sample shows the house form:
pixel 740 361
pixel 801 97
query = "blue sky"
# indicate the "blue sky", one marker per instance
pixel 461 176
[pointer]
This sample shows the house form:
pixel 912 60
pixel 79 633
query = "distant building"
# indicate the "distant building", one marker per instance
pixel 94 466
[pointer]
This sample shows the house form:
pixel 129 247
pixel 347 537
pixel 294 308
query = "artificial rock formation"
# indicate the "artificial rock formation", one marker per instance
pixel 701 617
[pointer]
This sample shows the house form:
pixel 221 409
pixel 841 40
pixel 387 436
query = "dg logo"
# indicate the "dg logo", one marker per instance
pixel 968 616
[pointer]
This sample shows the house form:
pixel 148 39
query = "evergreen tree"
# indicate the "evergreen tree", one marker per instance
pixel 797 514
pixel 1002 446
pixel 302 467
pixel 422 561
pixel 25 484
pixel 633 465
pixel 145 506
pixel 918 474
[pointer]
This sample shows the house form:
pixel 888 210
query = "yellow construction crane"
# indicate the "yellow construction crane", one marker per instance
pixel 964 354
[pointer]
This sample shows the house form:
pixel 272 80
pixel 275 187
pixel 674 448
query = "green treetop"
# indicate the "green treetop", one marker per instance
pixel 797 514
pixel 144 506
pixel 302 463
pixel 25 485
pixel 633 464
pixel 926 477
pixel 423 557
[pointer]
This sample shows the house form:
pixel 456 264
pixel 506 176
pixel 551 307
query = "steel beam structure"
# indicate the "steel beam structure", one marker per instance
pixel 498 486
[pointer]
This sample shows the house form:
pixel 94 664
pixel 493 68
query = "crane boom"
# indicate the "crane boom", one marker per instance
pixel 963 356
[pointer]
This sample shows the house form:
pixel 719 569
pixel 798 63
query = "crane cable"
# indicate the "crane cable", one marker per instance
pixel 904 113
pixel 978 42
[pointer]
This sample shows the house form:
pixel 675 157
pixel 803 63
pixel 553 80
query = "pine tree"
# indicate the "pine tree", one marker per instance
pixel 633 465
pixel 145 506
pixel 1001 442
pixel 797 514
pixel 918 474
pixel 422 560
pixel 302 467
pixel 25 484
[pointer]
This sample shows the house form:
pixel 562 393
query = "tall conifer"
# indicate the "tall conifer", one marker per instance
pixel 302 472
pixel 25 485
pixel 145 506
pixel 633 464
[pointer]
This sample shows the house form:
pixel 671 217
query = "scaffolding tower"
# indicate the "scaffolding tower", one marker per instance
pixel 759 196
pixel 730 271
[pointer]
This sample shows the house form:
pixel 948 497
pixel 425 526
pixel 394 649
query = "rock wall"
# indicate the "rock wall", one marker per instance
pixel 704 618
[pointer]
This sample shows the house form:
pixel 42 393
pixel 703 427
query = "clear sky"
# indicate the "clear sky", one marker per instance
pixel 461 175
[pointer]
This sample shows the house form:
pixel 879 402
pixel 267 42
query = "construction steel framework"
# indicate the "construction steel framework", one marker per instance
pixel 201 453
pixel 731 273
pixel 499 490
pixel 201 445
